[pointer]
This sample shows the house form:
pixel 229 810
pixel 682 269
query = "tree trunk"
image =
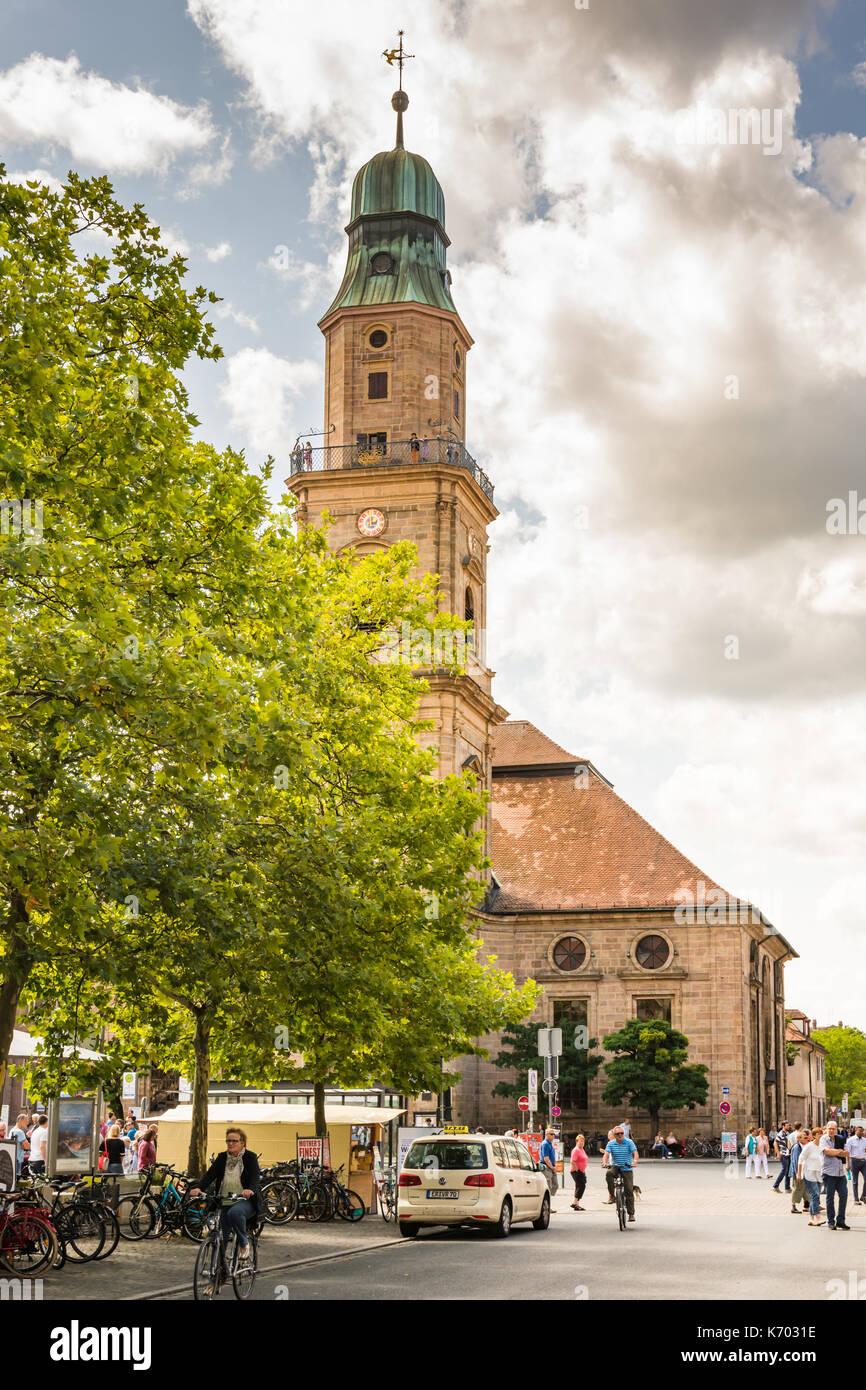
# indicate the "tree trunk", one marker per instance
pixel 319 1108
pixel 17 963
pixel 654 1124
pixel 197 1159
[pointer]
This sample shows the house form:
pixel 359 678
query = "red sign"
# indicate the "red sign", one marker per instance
pixel 555 1111
pixel 533 1143
pixel 725 1107
pixel 523 1103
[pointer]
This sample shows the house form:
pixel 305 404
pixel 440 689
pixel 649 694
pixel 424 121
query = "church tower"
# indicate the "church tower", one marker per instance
pixel 396 367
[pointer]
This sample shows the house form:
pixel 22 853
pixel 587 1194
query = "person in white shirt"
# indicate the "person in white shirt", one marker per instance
pixel 39 1146
pixel 626 1129
pixel 856 1146
pixel 809 1168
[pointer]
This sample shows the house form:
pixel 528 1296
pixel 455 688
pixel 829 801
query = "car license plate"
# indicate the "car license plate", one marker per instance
pixel 448 1192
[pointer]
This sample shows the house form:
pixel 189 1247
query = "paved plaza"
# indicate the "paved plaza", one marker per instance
pixel 698 1234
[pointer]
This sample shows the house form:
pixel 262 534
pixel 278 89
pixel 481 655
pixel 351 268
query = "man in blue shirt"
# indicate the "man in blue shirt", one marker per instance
pixel 621 1153
pixel 547 1157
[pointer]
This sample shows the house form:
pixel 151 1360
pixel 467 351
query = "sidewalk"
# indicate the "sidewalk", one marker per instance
pixel 143 1268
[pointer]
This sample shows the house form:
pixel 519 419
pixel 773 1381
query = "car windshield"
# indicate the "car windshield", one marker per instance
pixel 426 1153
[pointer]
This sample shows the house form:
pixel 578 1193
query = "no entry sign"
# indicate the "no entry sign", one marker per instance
pixel 523 1103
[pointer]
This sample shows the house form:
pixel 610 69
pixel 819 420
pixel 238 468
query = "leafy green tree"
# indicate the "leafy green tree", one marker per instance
pixel 116 597
pixel 652 1072
pixel 845 1064
pixel 577 1065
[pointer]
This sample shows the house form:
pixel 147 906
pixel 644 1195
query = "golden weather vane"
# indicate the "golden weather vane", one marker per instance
pixel 398 56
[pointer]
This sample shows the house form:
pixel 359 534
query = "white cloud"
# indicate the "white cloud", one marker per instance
pixel 52 102
pixel 226 310
pixel 35 176
pixel 218 253
pixel 259 390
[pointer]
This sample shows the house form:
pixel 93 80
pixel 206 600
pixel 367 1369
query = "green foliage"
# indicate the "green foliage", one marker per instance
pixel 845 1063
pixel 653 1072
pixel 577 1066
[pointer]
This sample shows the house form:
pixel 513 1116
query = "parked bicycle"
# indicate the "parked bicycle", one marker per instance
pixel 28 1240
pixel 386 1191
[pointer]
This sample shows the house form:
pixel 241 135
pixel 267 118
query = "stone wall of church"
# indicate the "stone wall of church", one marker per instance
pixel 705 983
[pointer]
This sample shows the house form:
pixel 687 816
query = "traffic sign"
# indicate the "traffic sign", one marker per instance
pixel 555 1111
pixel 550 1085
pixel 523 1103
pixel 725 1107
pixel 550 1042
pixel 533 1089
pixel 726 1091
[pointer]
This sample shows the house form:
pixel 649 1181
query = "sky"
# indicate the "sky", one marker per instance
pixel 667 382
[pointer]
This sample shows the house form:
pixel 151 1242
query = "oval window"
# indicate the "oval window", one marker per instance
pixel 569 953
pixel 652 952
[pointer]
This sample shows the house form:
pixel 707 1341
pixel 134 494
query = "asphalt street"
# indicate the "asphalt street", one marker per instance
pixel 698 1234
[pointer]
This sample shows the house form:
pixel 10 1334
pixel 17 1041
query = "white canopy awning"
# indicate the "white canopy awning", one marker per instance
pixel 25 1045
pixel 249 1113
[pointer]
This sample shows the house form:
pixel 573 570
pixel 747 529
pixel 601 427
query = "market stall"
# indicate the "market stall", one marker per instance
pixel 273 1131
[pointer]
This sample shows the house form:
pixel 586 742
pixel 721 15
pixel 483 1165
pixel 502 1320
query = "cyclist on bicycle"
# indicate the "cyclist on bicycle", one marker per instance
pixel 621 1153
pixel 238 1180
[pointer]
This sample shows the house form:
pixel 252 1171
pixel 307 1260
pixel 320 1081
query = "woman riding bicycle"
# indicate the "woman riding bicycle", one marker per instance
pixel 238 1180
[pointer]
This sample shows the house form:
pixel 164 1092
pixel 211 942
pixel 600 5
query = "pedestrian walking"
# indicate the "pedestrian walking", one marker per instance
pixel 809 1169
pixel 18 1132
pixel 578 1171
pixel 146 1149
pixel 39 1145
pixel 547 1155
pixel 783 1154
pixel 762 1155
pixel 750 1149
pixel 835 1174
pixel 856 1146
pixel 798 1191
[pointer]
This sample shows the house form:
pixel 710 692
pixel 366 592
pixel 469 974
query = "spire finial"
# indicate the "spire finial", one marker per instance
pixel 399 100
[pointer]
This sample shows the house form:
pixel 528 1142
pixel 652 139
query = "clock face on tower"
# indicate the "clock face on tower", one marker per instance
pixel 371 522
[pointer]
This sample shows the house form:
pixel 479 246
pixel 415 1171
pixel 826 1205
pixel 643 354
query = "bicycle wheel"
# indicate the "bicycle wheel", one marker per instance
pixel 136 1216
pixel 349 1206
pixel 244 1271
pixel 206 1282
pixel 82 1231
pixel 281 1201
pixel 28 1244
pixel 316 1203
pixel 620 1206
pixel 112 1231
pixel 386 1204
pixel 194 1218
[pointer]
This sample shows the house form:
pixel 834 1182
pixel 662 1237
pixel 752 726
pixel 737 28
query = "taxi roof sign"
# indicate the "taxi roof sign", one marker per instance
pixel 455 1129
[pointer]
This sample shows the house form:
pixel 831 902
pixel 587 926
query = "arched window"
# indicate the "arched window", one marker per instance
pixel 469 606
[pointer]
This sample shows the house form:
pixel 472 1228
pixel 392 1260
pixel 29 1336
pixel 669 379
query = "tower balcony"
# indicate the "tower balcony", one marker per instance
pixel 394 453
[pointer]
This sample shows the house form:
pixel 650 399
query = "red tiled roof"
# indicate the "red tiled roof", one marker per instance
pixel 557 843
pixel 518 743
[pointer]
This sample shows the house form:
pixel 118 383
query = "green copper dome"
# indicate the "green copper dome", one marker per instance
pixel 397 181
pixel 396 231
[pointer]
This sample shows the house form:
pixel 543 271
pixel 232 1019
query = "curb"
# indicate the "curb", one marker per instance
pixel 270 1269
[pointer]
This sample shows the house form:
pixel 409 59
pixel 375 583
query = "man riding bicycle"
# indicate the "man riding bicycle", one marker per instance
pixel 621 1153
pixel 238 1180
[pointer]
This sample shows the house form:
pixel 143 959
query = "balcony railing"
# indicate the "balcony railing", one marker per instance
pixel 438 449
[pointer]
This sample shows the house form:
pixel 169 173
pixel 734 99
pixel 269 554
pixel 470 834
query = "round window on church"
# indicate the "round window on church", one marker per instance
pixel 652 952
pixel 569 953
pixel 378 338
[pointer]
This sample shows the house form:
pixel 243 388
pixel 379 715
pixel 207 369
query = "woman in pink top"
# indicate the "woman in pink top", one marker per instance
pixel 578 1172
pixel 147 1149
pixel 761 1151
